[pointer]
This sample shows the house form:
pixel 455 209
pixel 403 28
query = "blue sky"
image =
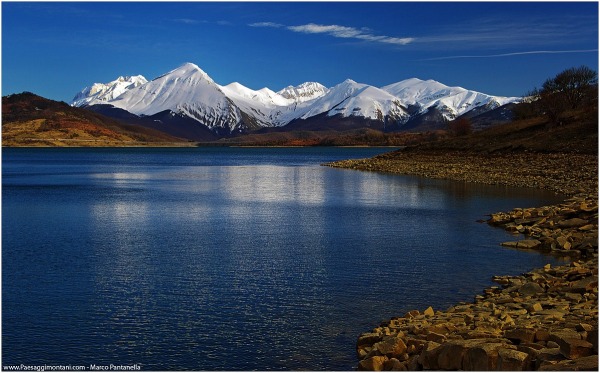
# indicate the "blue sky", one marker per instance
pixel 55 49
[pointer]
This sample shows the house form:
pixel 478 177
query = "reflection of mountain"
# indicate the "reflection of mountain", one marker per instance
pixel 189 93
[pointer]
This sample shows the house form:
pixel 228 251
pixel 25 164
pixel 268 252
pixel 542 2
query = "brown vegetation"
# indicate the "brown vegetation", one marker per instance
pixel 31 120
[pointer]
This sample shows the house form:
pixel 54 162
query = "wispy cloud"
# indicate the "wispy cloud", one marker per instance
pixel 537 34
pixel 266 24
pixel 188 21
pixel 338 31
pixel 495 32
pixel 511 54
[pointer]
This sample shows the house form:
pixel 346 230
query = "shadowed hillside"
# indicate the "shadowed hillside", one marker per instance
pixel 31 120
pixel 577 134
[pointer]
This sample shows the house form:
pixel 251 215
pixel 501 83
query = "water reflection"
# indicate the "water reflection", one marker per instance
pixel 273 184
pixel 179 265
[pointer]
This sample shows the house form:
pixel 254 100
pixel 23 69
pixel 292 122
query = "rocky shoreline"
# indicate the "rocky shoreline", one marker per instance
pixel 564 173
pixel 546 319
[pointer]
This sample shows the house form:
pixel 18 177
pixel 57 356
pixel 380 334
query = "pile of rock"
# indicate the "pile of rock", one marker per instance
pixel 568 229
pixel 546 319
pixel 553 172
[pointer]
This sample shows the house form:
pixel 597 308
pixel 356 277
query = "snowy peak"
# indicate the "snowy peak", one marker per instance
pixel 350 98
pixel 188 71
pixel 304 92
pixel 264 96
pixel 102 92
pixel 186 91
pixel 186 85
pixel 413 91
pixel 451 101
pixel 189 91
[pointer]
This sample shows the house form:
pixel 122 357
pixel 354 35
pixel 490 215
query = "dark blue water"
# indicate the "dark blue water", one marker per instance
pixel 231 259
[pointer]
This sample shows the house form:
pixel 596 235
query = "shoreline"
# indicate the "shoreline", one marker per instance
pixel 551 171
pixel 545 319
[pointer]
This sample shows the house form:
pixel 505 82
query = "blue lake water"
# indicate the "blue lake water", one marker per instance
pixel 232 258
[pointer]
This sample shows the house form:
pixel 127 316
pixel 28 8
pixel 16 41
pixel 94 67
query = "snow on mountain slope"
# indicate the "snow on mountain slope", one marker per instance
pixel 100 93
pixel 304 92
pixel 190 92
pixel 350 98
pixel 186 90
pixel 451 101
pixel 264 104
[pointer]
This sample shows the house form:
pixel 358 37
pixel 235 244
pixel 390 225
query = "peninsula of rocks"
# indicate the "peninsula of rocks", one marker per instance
pixel 546 319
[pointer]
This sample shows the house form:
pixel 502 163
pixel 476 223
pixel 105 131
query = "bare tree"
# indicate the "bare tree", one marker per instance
pixel 570 89
pixel 573 85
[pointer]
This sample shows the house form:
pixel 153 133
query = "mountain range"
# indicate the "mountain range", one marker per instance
pixel 187 102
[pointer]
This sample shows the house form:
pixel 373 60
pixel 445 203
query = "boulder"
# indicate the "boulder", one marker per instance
pixel 530 288
pixel 512 360
pixel 542 335
pixel 414 346
pixel 547 356
pixel 374 363
pixel 575 348
pixel 451 355
pixel 523 244
pixel 391 346
pixel 563 242
pixel 534 307
pixel 589 363
pixel 412 314
pixel 592 337
pixel 558 335
pixel 428 358
pixel 520 335
pixel 585 285
pixel 368 339
pixel 394 364
pixel 528 244
pixel 483 357
pixel 452 352
pixel 572 223
pixel 435 337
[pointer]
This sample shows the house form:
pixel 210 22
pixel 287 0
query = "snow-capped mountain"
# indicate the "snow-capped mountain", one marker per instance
pixel 264 104
pixel 304 92
pixel 100 92
pixel 188 92
pixel 452 102
pixel 350 98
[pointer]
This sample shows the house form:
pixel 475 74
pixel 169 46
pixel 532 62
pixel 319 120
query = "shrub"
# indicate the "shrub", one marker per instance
pixel 460 127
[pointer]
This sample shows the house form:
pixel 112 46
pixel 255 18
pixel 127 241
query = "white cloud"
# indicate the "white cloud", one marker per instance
pixel 333 30
pixel 187 21
pixel 511 54
pixel 265 24
pixel 338 31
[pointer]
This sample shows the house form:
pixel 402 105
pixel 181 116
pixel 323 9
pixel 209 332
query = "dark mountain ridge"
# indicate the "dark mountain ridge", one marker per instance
pixel 32 120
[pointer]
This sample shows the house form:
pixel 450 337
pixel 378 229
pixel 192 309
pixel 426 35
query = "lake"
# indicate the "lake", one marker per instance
pixel 232 258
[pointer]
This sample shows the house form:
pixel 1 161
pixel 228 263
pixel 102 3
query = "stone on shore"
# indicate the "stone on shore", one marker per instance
pixel 537 320
pixel 546 319
pixel 374 363
pixel 589 363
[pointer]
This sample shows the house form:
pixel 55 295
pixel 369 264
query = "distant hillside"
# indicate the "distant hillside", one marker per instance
pixel 31 120
pixel 578 133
